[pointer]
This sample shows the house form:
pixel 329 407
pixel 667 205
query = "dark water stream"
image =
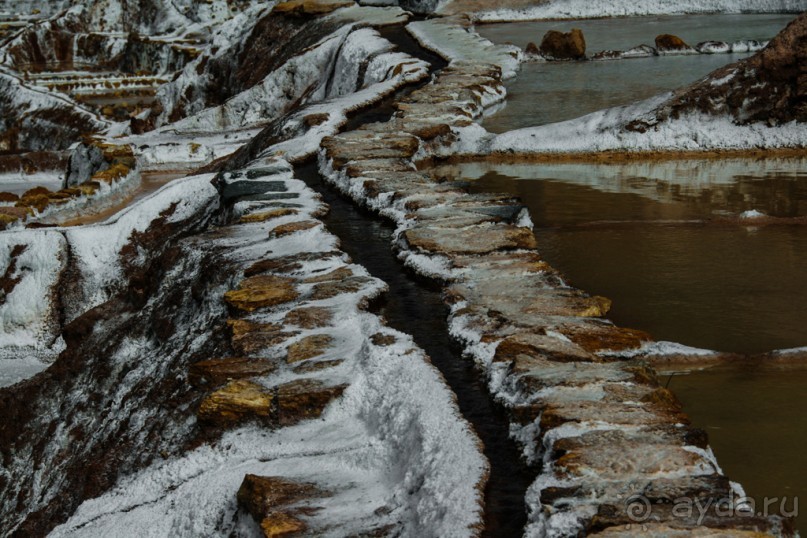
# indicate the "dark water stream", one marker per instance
pixel 416 309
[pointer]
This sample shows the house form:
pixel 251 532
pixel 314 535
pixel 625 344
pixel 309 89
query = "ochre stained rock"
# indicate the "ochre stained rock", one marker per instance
pixel 383 340
pixel 304 400
pixel 216 372
pixel 235 402
pixel 294 227
pixel 281 525
pixel 537 345
pixel 312 317
pixel 472 240
pixel 262 291
pixel 564 46
pixel 268 500
pixel 595 337
pixel 669 42
pixel 310 7
pixel 337 274
pixel 327 290
pixel 36 201
pixel 317 366
pixel 268 215
pixel 249 337
pixel 287 264
pixel 308 347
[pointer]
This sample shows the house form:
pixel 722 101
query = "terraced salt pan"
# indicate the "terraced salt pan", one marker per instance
pixel 517 318
pixel 387 457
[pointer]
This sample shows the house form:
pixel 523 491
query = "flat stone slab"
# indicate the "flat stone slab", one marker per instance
pixel 471 240
pixel 262 291
pixel 216 372
pixel 304 400
pixel 238 401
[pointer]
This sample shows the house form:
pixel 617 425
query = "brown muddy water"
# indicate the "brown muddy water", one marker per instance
pixel 664 242
pixel 755 419
pixel 150 182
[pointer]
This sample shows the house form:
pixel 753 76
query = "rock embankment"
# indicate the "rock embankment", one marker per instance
pixel 606 435
pixel 768 88
pixel 307 414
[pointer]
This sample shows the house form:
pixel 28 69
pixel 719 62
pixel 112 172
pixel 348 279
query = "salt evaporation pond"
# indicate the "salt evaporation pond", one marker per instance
pixel 548 92
pixel 664 241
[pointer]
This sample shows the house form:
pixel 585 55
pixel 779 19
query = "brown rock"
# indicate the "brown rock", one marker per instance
pixel 564 46
pixel 217 372
pixel 472 240
pixel 36 201
pixel 262 291
pixel 317 366
pixel 249 338
pixel 282 524
pixel 308 347
pixel 240 327
pixel 337 274
pixel 537 345
pixel 312 120
pixel 310 7
pixel 596 337
pixel 8 197
pixel 262 494
pixel 287 264
pixel 304 400
pixel 36 191
pixel 16 212
pixel 294 227
pixel 312 317
pixel 669 43
pixel 383 340
pixel 7 220
pixel 237 401
pixel 326 290
pixel 266 498
pixel 268 215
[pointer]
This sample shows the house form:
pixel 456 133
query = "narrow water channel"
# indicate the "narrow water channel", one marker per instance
pixel 418 310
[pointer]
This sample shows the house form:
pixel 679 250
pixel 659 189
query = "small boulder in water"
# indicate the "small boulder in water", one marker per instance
pixel 668 43
pixel 564 46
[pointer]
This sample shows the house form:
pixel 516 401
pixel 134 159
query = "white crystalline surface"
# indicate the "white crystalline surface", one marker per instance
pixel 392 450
pixel 28 317
pixel 604 131
pixel 97 248
pixel 455 43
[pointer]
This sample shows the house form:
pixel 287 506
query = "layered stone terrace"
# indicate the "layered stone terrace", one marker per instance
pixel 609 440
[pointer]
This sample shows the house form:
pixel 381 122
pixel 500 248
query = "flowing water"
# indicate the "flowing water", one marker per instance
pixel 664 240
pixel 413 308
pixel 548 92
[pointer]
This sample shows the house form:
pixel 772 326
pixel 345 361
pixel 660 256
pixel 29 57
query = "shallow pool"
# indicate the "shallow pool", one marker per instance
pixel 664 242
pixel 548 92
